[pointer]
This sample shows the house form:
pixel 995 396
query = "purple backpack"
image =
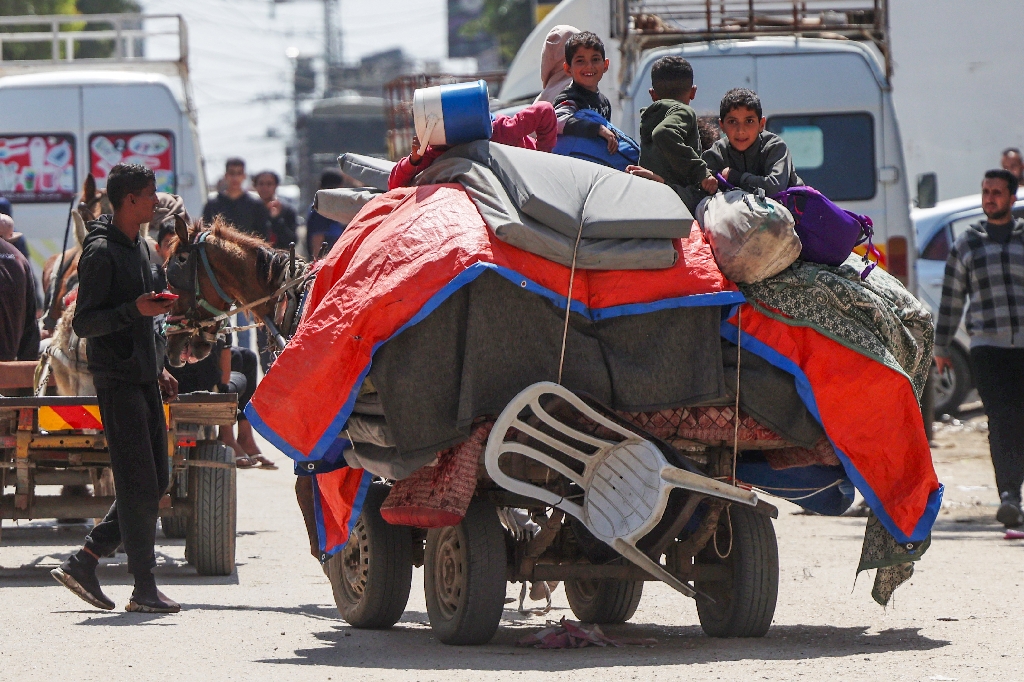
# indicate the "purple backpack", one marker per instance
pixel 828 233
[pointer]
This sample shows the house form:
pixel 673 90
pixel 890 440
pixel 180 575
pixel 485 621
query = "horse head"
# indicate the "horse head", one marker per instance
pixel 211 269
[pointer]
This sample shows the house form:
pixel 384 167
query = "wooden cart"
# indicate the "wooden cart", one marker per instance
pixel 59 441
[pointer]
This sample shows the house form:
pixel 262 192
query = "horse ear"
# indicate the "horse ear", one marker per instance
pixel 181 229
pixel 80 229
pixel 89 188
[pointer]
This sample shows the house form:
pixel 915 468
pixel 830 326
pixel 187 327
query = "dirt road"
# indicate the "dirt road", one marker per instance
pixel 960 618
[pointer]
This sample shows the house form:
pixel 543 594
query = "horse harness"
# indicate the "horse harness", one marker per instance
pixel 289 297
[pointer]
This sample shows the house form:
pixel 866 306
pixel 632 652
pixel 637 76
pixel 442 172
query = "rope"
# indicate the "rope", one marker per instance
pixel 572 276
pixel 769 491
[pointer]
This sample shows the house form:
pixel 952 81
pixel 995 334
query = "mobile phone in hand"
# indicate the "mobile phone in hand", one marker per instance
pixel 165 296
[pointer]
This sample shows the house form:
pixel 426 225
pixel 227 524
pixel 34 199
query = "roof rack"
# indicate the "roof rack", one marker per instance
pixel 644 24
pixel 68 33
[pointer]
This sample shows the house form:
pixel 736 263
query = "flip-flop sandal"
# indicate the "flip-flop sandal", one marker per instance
pixel 244 462
pixel 264 463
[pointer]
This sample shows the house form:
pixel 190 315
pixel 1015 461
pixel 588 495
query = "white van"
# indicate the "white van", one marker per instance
pixel 63 119
pixel 829 98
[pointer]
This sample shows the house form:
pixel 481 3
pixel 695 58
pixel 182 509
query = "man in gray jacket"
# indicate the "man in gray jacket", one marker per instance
pixel 985 270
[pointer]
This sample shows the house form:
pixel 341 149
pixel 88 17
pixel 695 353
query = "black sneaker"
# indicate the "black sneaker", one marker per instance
pixel 1009 513
pixel 146 598
pixel 81 579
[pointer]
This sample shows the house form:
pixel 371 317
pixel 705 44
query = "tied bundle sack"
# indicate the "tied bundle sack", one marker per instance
pixel 595 149
pixel 828 233
pixel 751 236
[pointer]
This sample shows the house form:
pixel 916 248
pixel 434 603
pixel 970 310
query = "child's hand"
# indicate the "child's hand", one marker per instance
pixel 415 155
pixel 609 136
pixel 709 185
pixel 725 173
pixel 642 172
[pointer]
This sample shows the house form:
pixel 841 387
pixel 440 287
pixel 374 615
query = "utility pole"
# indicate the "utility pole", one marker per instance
pixel 332 32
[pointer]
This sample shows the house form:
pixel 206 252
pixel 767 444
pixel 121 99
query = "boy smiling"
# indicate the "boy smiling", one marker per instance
pixel 751 157
pixel 585 62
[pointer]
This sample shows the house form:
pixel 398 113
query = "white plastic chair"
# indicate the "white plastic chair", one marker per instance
pixel 625 484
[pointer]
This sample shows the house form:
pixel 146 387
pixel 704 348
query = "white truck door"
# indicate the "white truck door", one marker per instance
pixel 40 144
pixel 133 123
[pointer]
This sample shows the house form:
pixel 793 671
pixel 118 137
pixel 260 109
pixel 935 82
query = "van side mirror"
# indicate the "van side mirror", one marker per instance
pixel 927 190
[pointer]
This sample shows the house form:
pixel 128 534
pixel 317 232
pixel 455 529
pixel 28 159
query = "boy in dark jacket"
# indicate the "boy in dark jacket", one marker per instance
pixel 116 307
pixel 586 64
pixel 669 138
pixel 751 157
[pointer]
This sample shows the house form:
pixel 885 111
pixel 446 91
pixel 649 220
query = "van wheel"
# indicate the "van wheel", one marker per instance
pixel 372 576
pixel 953 385
pixel 464 576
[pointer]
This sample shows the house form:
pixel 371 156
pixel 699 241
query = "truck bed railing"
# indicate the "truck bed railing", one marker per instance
pixel 67 33
pixel 646 24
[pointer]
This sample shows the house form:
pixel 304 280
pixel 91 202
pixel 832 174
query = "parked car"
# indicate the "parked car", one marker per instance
pixel 937 228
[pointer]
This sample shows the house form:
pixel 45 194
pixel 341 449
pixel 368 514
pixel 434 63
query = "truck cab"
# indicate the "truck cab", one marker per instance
pixel 63 118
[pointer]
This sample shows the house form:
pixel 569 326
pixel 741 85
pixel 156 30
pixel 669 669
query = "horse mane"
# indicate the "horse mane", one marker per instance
pixel 270 262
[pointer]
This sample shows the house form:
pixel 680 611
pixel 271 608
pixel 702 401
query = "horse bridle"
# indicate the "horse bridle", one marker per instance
pixel 184 276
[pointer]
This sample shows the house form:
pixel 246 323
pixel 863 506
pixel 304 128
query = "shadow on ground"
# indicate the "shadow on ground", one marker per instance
pixel 345 646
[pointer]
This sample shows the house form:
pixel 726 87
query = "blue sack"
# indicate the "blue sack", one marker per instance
pixel 595 149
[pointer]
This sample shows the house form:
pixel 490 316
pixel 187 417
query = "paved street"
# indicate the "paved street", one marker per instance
pixel 958 619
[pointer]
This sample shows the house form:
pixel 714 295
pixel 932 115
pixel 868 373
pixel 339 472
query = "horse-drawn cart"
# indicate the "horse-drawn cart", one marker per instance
pixel 55 440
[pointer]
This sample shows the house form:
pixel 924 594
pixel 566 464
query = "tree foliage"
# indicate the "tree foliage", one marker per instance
pixel 509 21
pixel 43 50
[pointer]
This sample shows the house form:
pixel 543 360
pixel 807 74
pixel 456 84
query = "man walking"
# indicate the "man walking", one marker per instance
pixel 985 269
pixel 116 305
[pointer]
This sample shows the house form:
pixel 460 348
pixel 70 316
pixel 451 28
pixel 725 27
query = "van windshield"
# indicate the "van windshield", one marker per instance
pixel 37 168
pixel 834 153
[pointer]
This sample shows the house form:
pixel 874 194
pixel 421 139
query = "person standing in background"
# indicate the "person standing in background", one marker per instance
pixel 985 270
pixel 1013 162
pixel 19 333
pixel 245 213
pixel 283 218
pixel 321 230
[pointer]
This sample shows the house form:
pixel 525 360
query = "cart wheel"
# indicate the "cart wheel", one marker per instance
pixel 210 543
pixel 174 526
pixel 464 576
pixel 604 601
pixel 745 600
pixel 372 576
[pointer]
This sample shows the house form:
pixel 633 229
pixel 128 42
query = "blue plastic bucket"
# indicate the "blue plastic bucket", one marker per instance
pixel 452 114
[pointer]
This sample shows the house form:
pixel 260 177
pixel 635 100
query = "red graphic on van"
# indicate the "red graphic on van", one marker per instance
pixel 37 168
pixel 155 150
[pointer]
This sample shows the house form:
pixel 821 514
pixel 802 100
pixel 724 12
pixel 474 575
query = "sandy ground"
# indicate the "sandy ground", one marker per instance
pixel 960 618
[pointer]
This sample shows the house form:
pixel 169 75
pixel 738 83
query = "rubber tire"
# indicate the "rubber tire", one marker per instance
pixel 745 605
pixel 480 601
pixel 962 382
pixel 210 543
pixel 175 527
pixel 604 601
pixel 385 551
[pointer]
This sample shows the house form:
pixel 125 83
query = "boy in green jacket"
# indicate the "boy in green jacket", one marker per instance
pixel 669 143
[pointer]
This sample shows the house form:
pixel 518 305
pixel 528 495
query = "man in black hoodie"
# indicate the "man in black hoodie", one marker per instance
pixel 116 305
